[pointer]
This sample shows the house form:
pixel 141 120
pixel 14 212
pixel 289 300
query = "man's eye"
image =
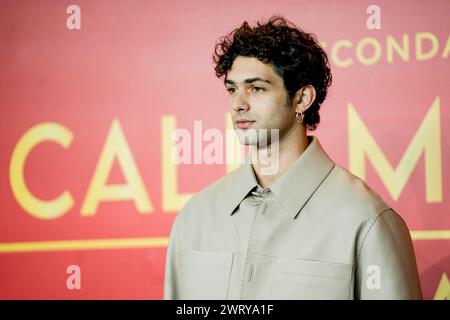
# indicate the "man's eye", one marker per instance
pixel 257 89
pixel 231 90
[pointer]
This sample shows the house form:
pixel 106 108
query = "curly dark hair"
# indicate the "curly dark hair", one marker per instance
pixel 295 55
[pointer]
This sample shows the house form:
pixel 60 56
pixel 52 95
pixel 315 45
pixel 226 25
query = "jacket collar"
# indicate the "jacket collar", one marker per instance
pixel 293 188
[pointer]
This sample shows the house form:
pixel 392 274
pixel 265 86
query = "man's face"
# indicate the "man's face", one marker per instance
pixel 258 100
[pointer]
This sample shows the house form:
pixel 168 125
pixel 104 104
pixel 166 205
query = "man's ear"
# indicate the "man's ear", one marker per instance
pixel 304 98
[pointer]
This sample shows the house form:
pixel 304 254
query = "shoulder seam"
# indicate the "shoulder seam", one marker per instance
pixel 368 230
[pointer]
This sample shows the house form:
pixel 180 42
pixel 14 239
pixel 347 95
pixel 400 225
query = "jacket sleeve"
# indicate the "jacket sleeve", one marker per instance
pixel 386 265
pixel 171 275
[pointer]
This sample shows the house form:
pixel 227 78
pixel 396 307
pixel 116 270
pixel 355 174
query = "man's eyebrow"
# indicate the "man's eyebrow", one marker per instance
pixel 248 80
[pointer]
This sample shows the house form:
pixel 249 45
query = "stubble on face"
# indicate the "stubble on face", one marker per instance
pixel 269 109
pixel 267 130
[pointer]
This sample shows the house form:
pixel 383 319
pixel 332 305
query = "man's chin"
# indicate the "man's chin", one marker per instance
pixel 248 142
pixel 251 137
pixel 247 136
pixel 254 143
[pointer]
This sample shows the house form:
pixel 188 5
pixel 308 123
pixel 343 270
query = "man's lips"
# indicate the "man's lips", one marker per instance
pixel 243 124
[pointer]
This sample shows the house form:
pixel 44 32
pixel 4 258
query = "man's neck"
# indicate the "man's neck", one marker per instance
pixel 289 151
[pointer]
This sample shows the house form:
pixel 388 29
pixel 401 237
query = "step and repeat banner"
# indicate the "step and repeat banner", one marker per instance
pixel 91 92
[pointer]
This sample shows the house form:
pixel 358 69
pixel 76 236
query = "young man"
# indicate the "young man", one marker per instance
pixel 308 230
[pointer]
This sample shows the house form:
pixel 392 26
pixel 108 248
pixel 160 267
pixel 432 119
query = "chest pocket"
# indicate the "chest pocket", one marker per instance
pixel 306 279
pixel 204 275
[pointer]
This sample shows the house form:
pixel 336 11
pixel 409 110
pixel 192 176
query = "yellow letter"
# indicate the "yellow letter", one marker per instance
pixel 47 131
pixel 420 55
pixel 446 49
pixel 116 146
pixel 392 45
pixel 360 49
pixel 334 54
pixel 443 290
pixel 426 139
pixel 172 201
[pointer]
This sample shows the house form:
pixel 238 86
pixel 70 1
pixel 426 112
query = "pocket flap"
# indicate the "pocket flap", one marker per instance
pixel 204 275
pixel 309 279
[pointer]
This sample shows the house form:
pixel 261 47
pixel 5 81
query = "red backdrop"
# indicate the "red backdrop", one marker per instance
pixel 73 101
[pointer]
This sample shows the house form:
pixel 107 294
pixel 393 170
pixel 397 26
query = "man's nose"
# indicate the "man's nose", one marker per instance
pixel 239 103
